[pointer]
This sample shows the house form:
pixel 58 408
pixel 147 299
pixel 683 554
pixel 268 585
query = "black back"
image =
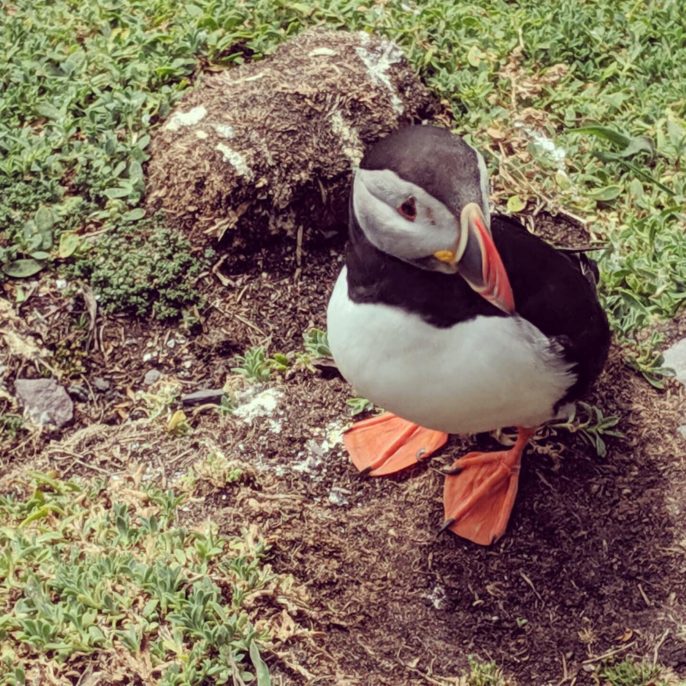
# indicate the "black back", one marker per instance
pixel 551 290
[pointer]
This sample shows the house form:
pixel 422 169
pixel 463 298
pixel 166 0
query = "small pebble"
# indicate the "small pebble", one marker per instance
pixel 207 395
pixel 101 384
pixel 675 359
pixel 337 496
pixel 151 376
pixel 45 401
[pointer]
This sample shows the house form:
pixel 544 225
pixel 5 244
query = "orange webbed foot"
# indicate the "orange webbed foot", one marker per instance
pixel 386 444
pixel 479 497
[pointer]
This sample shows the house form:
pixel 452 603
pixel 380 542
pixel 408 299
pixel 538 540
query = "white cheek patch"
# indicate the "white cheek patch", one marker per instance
pixel 376 196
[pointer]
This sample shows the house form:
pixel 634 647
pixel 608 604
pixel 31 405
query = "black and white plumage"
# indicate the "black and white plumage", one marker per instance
pixel 455 322
pixel 423 343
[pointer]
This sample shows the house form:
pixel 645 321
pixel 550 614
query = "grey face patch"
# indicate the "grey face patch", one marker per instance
pixel 377 197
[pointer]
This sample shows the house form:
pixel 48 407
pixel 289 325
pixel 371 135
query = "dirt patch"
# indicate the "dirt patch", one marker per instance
pixel 593 567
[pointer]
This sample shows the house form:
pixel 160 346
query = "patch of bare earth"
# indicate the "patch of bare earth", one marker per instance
pixel 593 567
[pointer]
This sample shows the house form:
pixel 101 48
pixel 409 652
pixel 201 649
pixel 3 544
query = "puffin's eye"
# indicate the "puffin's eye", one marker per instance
pixel 408 209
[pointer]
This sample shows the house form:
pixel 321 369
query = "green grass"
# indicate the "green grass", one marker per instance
pixel 484 673
pixel 90 576
pixel 632 673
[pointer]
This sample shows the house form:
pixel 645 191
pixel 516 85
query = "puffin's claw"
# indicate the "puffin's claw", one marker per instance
pixel 451 471
pixel 446 525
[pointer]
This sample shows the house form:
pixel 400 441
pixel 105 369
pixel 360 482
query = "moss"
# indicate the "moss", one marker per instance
pixel 146 271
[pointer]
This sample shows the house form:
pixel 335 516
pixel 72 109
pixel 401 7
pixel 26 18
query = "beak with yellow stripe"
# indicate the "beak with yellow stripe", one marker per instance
pixel 478 261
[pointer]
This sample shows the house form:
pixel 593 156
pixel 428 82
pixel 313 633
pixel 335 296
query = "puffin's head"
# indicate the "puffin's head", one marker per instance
pixel 421 195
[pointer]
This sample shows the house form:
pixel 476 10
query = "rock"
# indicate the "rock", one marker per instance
pixel 269 146
pixel 339 496
pixel 256 403
pixel 151 376
pixel 45 401
pixel 101 384
pixel 204 396
pixel 675 358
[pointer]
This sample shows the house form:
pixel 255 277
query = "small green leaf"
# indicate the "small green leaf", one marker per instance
pixel 261 669
pixel 636 188
pixel 606 133
pixel 74 62
pixel 42 513
pixel 636 145
pixel 150 607
pixel 120 192
pixel 562 179
pixel 676 132
pixel 69 242
pixel 515 204
pixel 605 194
pixel 358 405
pixel 45 109
pixel 194 11
pixel 96 634
pixel 629 145
pixel 475 56
pixel 135 171
pixel 301 7
pixel 133 215
pixel 34 241
pixel 44 219
pixel 21 269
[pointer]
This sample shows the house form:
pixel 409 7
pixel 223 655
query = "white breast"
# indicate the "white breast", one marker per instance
pixel 479 375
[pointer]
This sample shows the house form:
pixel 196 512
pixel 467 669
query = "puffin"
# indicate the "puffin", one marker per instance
pixel 456 321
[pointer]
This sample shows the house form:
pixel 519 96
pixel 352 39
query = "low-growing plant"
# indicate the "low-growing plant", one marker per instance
pixel 256 365
pixel 215 470
pixel 146 270
pixel 358 405
pixel 159 401
pixel 631 673
pixel 89 578
pixel 316 349
pixel 592 425
pixel 178 424
pixel 10 425
pixel 316 343
pixel 484 673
